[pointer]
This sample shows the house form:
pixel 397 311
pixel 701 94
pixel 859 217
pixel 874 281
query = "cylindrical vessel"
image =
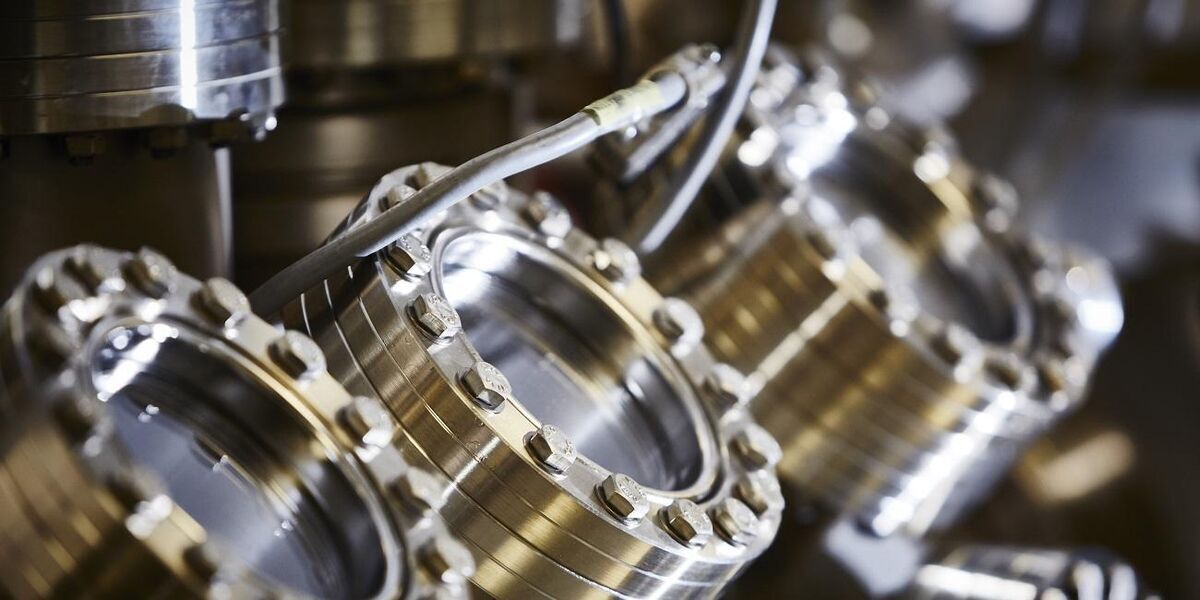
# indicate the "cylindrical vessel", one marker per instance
pixel 373 84
pixel 907 341
pixel 158 440
pixel 94 98
pixel 596 449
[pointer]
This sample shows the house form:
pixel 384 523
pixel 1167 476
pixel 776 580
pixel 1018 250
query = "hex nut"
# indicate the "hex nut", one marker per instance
pixel 953 343
pixel 687 522
pixel 435 316
pixel 52 291
pixel 96 270
pixel 447 560
pixel 429 172
pixel 1009 372
pixel 369 422
pixel 552 448
pixel 490 197
pixel 152 273
pixel 727 385
pixel 419 490
pixel 616 261
pixel 395 196
pixel 487 385
pixel 757 448
pixel 761 492
pixel 411 258
pixel 735 522
pixel 547 215
pixel 223 302
pixel 298 355
pixel 678 322
pixel 624 498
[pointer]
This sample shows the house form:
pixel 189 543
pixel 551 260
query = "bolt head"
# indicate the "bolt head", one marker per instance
pixel 761 492
pixel 429 172
pixel 298 355
pixel 551 446
pixel 490 197
pixel 395 196
pixel 447 560
pixel 624 498
pixel 410 257
pixel 679 322
pixel 224 302
pixel 687 522
pixel 735 522
pixel 954 343
pixel 487 385
pixel 547 215
pixel 757 448
pixel 152 273
pixel 369 422
pixel 616 261
pixel 727 385
pixel 1009 371
pixel 419 490
pixel 435 316
pixel 99 271
pixel 52 290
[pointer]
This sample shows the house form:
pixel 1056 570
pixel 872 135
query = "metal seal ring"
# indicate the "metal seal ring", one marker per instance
pixel 159 439
pixel 644 475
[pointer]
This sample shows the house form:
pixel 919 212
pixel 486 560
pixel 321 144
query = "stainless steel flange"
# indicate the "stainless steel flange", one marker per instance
pixel 908 342
pixel 596 449
pixel 989 572
pixel 157 439
pixel 117 65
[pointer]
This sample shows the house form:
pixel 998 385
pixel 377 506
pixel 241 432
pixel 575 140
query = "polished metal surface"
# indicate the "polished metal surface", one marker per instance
pixel 131 64
pixel 592 453
pixel 909 344
pixel 1010 573
pixel 160 440
pixel 371 33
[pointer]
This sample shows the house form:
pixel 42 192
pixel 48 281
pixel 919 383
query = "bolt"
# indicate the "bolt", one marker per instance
pixel 552 448
pixel 616 261
pixel 687 522
pixel 757 448
pixel 727 385
pixel 369 422
pixel 152 273
pixel 895 303
pixel 679 322
pixel 487 385
pixel 1009 371
pixel 204 560
pixel 735 522
pixel 53 291
pixel 428 172
pixel 166 141
pixel 298 355
pixel 82 148
pixel 761 492
pixel 435 315
pixel 395 196
pixel 490 197
pixel 624 498
pixel 410 257
pixel 419 490
pixel 94 268
pixel 447 560
pixel 547 215
pixel 224 302
pixel 955 342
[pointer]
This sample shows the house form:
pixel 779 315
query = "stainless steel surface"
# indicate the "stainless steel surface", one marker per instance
pixel 160 440
pixel 566 328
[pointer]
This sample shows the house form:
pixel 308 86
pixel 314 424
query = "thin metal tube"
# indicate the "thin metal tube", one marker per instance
pixel 618 110
pixel 654 225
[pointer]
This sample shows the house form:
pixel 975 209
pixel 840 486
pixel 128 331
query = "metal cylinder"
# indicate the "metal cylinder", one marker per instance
pixel 160 440
pixel 114 112
pixel 907 341
pixel 594 445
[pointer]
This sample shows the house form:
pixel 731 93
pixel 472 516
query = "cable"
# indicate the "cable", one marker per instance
pixel 754 32
pixel 616 111
pixel 618 31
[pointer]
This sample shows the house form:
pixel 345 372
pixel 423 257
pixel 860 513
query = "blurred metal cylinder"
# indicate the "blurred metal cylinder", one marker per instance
pixel 373 84
pixel 112 112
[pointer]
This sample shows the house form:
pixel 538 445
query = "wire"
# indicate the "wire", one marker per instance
pixel 618 31
pixel 608 114
pixel 654 224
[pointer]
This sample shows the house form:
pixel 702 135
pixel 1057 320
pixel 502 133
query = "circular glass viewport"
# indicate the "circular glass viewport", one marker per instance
pixel 899 225
pixel 576 361
pixel 234 457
